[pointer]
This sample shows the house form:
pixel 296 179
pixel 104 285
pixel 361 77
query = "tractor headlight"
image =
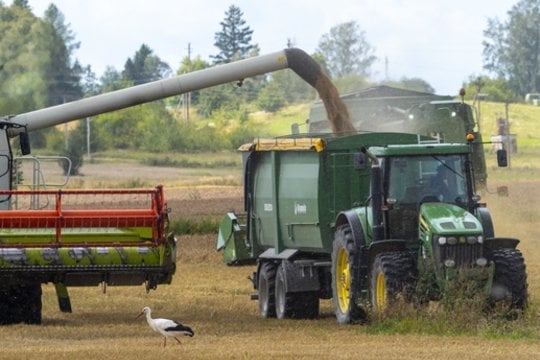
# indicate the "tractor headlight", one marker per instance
pixel 442 240
pixel 480 239
pixel 452 240
pixel 481 262
pixel 449 263
pixel 471 240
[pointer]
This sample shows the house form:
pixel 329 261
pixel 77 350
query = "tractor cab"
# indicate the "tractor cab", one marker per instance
pixel 415 175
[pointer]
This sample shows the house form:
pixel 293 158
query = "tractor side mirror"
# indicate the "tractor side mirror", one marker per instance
pixel 502 158
pixel 24 141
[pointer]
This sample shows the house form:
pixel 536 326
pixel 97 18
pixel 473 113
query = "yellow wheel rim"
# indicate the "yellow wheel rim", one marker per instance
pixel 343 280
pixel 380 292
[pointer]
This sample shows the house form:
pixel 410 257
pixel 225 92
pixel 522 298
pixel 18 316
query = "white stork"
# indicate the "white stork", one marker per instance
pixel 166 327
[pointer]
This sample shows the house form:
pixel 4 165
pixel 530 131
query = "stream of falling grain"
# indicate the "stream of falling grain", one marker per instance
pixel 337 112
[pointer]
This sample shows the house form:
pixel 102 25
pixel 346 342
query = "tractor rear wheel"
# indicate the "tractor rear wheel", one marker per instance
pixel 297 305
pixel 346 277
pixel 392 274
pixel 266 289
pixel 510 279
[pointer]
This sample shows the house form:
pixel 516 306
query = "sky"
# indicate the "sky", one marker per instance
pixel 439 41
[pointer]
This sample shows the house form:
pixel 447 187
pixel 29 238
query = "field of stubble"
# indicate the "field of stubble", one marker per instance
pixel 214 300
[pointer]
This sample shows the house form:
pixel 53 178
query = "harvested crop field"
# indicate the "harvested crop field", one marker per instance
pixel 214 300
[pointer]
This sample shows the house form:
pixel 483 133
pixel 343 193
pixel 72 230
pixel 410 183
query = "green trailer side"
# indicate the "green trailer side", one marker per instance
pixel 294 193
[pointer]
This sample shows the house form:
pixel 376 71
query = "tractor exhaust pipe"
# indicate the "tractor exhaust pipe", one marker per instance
pixel 376 196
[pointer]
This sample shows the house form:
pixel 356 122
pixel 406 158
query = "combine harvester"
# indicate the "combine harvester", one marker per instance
pixel 91 237
pixel 385 108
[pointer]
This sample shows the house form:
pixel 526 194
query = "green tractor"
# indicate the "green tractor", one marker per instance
pixel 366 219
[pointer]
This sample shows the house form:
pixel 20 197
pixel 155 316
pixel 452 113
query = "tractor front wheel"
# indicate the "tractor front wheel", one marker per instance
pixel 509 289
pixel 392 274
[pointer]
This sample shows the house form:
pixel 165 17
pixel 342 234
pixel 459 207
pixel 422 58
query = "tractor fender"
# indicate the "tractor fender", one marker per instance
pixel 487 224
pixel 351 217
pixel 500 243
pixel 382 246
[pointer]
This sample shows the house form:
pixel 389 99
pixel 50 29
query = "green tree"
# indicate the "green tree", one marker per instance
pixel 112 80
pixel 271 97
pixel 234 39
pixel 294 88
pixel 24 60
pixel 190 65
pixel 145 67
pixel 76 147
pixel 89 82
pixel 346 50
pixel 218 97
pixel 63 73
pixel 22 4
pixel 121 129
pixel 159 128
pixel 512 48
pixel 497 89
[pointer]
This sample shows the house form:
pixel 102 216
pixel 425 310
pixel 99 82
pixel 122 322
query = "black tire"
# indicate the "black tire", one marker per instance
pixel 392 274
pixel 32 306
pixel 20 303
pixel 295 305
pixel 346 280
pixel 266 290
pixel 509 289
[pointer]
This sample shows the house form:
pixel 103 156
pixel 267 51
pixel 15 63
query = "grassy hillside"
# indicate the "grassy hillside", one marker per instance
pixel 524 120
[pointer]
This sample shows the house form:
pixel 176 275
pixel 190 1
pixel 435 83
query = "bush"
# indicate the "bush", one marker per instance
pixel 271 98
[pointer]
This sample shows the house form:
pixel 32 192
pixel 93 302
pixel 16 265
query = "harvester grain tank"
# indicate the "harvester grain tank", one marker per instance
pixel 59 237
pixel 385 108
pixel 360 219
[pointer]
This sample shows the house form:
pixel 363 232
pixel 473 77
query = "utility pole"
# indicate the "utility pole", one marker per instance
pixel 187 96
pixel 508 141
pixel 386 68
pixel 88 139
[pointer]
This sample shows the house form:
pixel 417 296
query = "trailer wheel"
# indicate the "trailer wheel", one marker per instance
pixel 509 291
pixel 266 289
pixel 392 274
pixel 296 305
pixel 346 277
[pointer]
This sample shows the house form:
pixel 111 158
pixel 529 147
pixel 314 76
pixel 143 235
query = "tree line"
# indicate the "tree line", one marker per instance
pixel 38 69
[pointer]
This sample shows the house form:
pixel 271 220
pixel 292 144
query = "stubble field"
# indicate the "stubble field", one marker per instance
pixel 214 299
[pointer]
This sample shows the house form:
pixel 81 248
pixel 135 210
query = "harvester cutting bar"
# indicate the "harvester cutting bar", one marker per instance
pixel 62 224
